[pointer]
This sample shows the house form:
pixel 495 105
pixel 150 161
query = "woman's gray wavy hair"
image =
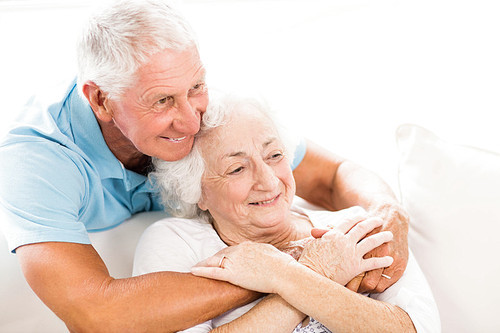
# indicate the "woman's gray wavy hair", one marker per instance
pixel 180 182
pixel 122 36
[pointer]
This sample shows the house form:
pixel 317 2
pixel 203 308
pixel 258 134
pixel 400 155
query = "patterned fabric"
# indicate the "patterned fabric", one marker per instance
pixel 314 326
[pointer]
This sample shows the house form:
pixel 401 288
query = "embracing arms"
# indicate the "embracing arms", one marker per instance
pixel 331 182
pixel 72 280
pixel 337 257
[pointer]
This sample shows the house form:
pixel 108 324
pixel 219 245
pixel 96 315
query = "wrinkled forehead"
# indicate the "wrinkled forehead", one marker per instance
pixel 243 129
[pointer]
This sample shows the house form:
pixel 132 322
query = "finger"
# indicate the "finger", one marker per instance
pixel 351 215
pixel 355 282
pixel 212 261
pixel 376 263
pixel 350 222
pixel 361 229
pixel 370 281
pixel 216 273
pixel 318 233
pixel 383 284
pixel 371 242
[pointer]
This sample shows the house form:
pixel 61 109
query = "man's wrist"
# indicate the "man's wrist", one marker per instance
pixel 391 211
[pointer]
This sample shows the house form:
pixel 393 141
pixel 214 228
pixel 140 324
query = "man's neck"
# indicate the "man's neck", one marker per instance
pixel 124 150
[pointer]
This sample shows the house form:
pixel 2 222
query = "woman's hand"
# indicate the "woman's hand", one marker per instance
pixel 254 266
pixel 338 254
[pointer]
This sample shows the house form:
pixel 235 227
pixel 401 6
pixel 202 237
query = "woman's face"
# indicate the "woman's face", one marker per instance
pixel 248 185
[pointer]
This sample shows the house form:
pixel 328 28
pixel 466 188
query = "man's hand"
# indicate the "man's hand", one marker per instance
pixel 329 181
pixel 395 220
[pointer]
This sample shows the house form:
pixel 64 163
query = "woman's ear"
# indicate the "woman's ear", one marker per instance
pixel 98 101
pixel 201 203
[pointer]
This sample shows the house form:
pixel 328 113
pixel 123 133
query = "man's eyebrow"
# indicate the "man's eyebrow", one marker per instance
pixel 202 76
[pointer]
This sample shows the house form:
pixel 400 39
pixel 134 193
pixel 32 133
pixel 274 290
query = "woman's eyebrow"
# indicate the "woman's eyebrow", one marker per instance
pixel 269 141
pixel 235 154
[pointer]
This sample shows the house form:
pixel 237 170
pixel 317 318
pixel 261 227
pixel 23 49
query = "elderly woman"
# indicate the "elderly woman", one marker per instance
pixel 236 186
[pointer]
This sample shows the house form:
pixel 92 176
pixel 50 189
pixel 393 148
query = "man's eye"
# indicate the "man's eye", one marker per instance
pixel 164 100
pixel 198 88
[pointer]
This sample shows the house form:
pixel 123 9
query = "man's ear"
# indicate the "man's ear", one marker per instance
pixel 98 101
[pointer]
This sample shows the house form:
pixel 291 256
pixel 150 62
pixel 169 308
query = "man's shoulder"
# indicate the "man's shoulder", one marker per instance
pixel 46 115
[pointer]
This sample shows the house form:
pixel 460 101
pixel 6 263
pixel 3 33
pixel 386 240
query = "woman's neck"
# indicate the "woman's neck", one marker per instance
pixel 296 227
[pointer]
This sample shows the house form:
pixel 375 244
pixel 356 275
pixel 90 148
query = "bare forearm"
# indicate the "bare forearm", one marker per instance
pixel 334 183
pixel 167 301
pixel 72 281
pixel 338 308
pixel 272 315
pixel 357 186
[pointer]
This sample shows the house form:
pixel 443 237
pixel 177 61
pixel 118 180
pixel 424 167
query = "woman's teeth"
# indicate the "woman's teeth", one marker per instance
pixel 264 202
pixel 175 139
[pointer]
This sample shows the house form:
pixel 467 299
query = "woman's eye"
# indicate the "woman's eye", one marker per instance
pixel 277 155
pixel 236 171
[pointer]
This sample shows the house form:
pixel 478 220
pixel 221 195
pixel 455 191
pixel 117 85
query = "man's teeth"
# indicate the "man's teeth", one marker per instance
pixel 177 139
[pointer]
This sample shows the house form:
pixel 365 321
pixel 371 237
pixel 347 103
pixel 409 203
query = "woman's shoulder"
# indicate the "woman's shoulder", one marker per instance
pixel 175 244
pixel 178 223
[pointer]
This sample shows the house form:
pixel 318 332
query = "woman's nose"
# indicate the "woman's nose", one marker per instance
pixel 265 180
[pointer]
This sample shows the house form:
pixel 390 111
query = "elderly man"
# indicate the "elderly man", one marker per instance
pixel 80 164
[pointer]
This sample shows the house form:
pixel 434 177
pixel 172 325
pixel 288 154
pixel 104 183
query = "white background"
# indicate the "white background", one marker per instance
pixel 344 73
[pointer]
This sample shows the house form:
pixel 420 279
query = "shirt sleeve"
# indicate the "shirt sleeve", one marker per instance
pixel 42 191
pixel 413 294
pixel 300 152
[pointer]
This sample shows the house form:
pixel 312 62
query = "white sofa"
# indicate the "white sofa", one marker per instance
pixel 452 193
pixel 346 74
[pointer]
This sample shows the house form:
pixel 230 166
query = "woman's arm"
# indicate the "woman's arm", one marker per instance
pixel 338 308
pixel 272 314
pixel 262 267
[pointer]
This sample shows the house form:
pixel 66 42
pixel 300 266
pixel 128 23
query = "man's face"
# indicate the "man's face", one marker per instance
pixel 161 113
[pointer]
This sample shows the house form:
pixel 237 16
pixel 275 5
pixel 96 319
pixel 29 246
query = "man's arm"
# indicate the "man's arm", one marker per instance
pixel 73 281
pixel 331 182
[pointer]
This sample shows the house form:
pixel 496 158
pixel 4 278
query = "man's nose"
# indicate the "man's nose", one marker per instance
pixel 188 117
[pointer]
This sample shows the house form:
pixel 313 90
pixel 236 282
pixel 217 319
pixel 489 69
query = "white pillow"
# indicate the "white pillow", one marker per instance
pixel 452 193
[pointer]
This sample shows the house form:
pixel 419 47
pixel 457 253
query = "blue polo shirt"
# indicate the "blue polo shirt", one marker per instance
pixel 59 180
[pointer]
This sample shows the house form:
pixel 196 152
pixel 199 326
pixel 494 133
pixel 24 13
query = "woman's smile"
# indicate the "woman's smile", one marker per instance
pixel 266 203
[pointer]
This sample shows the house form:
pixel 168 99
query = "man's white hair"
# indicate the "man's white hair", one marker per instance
pixel 122 36
pixel 180 182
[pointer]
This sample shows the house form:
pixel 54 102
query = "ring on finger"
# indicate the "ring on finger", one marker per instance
pixel 386 276
pixel 221 262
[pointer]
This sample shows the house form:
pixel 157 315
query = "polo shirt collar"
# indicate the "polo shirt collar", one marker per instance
pixel 88 137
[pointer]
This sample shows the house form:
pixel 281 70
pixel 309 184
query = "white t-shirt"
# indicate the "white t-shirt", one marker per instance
pixel 176 244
